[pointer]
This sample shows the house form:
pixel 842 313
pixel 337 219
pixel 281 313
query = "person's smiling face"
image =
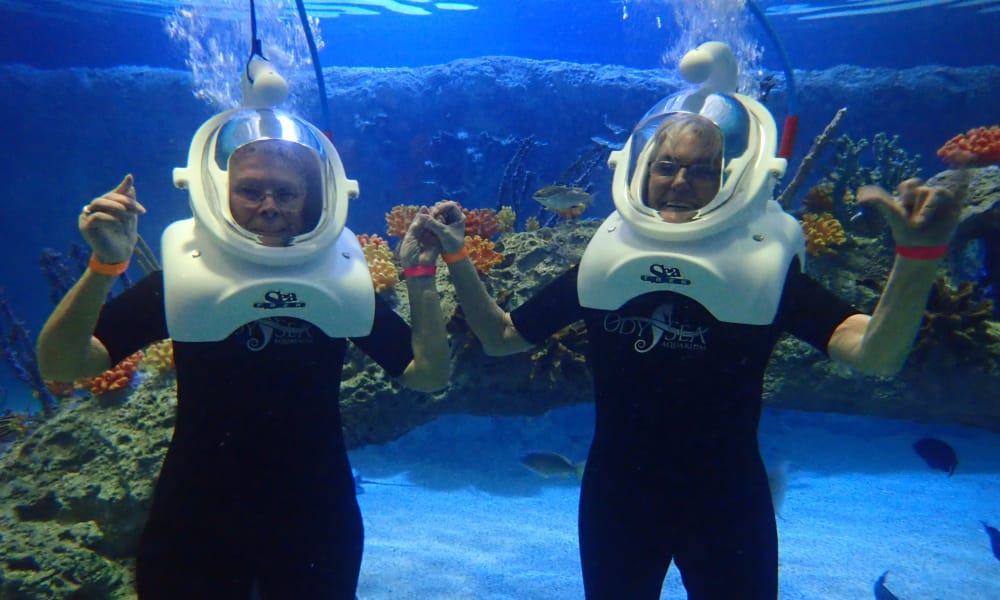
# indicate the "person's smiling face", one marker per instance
pixel 267 196
pixel 684 173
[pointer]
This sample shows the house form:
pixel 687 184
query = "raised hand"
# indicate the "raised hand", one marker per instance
pixel 109 223
pixel 919 216
pixel 419 246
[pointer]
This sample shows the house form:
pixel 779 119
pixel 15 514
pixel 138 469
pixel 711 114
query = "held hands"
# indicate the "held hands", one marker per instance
pixel 446 225
pixel 419 247
pixel 109 223
pixel 920 216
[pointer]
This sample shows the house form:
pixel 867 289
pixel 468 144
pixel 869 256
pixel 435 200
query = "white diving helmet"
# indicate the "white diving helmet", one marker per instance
pixel 207 179
pixel 750 168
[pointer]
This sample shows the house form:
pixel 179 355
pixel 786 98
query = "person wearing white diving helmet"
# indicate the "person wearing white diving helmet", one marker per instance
pixel 259 292
pixel 684 290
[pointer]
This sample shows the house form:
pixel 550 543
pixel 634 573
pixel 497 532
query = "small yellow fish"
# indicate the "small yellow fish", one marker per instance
pixel 562 198
pixel 550 464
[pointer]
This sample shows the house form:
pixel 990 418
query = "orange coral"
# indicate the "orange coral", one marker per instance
pixel 380 261
pixel 822 231
pixel 482 254
pixel 482 222
pixel 116 378
pixel 399 218
pixel 975 148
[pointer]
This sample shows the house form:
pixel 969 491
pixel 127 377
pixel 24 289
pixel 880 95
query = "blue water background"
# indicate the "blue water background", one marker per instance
pixel 587 31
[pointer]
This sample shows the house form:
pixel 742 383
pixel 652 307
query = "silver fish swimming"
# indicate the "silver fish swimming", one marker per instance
pixel 559 198
pixel 550 464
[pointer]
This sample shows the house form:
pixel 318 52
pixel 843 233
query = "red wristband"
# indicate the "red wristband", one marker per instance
pixel 107 269
pixel 419 271
pixel 922 252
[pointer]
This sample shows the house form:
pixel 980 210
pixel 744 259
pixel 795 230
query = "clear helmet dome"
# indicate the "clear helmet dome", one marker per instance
pixel 267 185
pixel 717 142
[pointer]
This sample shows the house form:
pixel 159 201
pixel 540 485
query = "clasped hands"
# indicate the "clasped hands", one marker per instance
pixel 434 230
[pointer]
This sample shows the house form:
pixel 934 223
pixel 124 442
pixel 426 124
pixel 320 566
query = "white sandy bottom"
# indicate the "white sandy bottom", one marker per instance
pixel 471 523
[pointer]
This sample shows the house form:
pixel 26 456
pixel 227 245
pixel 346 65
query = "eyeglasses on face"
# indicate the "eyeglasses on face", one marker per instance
pixel 697 172
pixel 280 196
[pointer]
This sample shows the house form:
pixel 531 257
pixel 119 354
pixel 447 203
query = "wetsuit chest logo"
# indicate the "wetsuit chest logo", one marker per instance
pixel 660 329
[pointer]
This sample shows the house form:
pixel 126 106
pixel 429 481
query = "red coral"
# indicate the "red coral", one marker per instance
pixel 975 148
pixel 482 222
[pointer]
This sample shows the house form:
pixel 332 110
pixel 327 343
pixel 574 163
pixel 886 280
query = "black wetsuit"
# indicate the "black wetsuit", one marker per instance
pixel 256 484
pixel 674 471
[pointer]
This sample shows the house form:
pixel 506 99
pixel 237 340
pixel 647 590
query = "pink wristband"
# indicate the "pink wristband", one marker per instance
pixel 419 271
pixel 922 252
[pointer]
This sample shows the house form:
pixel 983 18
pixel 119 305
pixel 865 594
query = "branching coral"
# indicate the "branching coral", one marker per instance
pixel 819 198
pixel 956 320
pixel 399 218
pixel 822 232
pixel 482 254
pixel 507 218
pixel 482 222
pixel 381 262
pixel 975 148
pixel 560 351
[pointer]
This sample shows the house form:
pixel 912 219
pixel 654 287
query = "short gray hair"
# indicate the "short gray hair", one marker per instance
pixel 703 128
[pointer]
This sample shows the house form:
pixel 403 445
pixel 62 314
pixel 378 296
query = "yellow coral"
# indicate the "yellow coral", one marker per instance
pixel 482 254
pixel 531 224
pixel 381 263
pixel 507 218
pixel 822 232
pixel 159 357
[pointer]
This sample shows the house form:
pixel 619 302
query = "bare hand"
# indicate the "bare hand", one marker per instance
pixel 448 226
pixel 919 216
pixel 109 223
pixel 419 247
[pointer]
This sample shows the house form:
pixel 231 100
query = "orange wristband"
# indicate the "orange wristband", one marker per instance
pixel 455 257
pixel 105 269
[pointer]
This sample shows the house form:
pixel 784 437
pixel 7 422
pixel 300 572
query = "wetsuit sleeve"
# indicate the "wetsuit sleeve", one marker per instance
pixel 809 311
pixel 389 343
pixel 133 319
pixel 555 306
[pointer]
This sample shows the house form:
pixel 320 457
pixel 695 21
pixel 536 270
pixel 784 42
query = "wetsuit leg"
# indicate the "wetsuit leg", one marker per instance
pixel 191 552
pixel 730 546
pixel 313 546
pixel 625 544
